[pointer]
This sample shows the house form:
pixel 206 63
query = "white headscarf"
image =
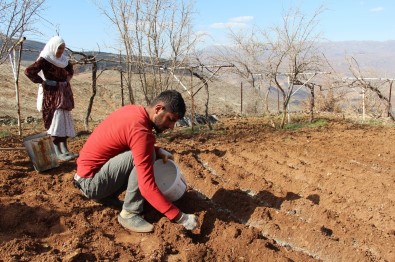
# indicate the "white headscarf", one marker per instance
pixel 49 52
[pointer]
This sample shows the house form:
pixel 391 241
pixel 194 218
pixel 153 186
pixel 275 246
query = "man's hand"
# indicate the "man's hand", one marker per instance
pixel 189 221
pixel 164 155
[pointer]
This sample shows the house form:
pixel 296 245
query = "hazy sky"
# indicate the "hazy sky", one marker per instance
pixel 83 27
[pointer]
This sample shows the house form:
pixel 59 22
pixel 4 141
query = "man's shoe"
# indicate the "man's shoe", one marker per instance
pixel 111 201
pixel 136 224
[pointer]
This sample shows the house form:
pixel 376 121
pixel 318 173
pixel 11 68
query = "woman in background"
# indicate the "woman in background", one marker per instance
pixel 53 72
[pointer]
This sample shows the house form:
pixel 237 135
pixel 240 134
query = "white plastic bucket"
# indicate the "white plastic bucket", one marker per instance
pixel 41 151
pixel 169 179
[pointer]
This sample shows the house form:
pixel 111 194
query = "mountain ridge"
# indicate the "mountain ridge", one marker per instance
pixel 377 56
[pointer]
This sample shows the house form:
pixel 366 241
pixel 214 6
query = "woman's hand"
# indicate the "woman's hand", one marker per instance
pixel 48 82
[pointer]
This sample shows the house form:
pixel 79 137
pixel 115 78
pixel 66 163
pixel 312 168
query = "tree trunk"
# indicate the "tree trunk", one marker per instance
pixel 312 103
pixel 89 110
pixel 267 111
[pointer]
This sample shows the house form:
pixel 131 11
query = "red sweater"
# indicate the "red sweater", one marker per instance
pixel 128 128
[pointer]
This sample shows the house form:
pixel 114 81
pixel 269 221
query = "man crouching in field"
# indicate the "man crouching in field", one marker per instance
pixel 119 155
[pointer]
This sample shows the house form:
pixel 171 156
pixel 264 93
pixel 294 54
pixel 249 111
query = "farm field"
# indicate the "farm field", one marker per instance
pixel 261 194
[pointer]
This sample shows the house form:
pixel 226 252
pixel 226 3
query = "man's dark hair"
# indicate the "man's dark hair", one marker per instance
pixel 173 102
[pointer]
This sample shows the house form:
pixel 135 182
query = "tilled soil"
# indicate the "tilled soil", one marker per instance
pixel 261 194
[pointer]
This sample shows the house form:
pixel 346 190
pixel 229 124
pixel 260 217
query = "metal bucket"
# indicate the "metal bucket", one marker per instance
pixel 41 151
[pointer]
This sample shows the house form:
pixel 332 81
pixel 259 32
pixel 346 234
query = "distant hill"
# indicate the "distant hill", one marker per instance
pixel 31 50
pixel 371 55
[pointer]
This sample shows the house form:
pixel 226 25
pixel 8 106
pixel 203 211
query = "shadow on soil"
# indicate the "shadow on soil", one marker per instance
pixel 228 206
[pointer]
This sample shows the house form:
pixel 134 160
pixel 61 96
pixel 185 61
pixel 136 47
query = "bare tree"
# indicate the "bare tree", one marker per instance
pixel 204 78
pixel 246 52
pixel 330 95
pixel 293 51
pixel 87 59
pixel 373 99
pixel 120 13
pixel 91 59
pixel 16 18
pixel 153 33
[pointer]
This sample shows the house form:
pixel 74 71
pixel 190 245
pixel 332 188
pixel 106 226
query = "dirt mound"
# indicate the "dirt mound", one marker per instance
pixel 261 194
